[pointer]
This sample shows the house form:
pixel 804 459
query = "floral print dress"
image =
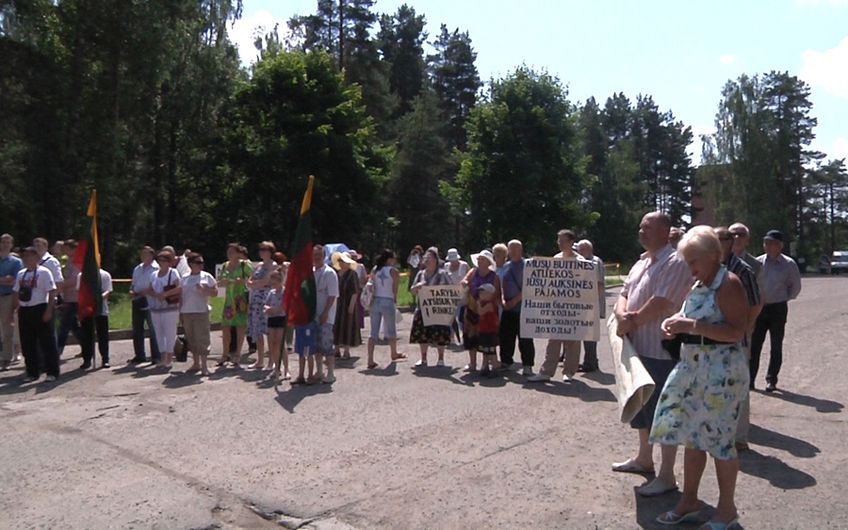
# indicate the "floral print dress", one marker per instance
pixel 699 405
pixel 257 321
pixel 236 299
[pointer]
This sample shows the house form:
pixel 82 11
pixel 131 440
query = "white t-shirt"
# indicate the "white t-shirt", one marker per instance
pixel 193 300
pixel 41 282
pixel 52 264
pixel 326 285
pixel 158 284
pixel 105 287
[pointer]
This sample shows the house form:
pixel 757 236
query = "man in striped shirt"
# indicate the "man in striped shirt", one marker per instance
pixel 653 291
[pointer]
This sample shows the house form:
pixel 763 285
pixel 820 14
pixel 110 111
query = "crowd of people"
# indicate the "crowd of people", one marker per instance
pixel 696 307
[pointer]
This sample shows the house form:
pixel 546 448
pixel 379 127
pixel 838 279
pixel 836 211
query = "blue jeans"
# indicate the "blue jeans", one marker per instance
pixel 140 316
pixel 68 324
pixel 383 308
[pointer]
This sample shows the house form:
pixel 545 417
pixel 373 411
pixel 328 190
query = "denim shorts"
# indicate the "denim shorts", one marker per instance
pixel 383 308
pixel 304 339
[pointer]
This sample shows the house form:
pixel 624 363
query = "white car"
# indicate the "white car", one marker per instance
pixel 839 262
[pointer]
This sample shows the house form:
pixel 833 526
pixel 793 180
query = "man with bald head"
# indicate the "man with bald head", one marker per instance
pixel 513 281
pixel 654 290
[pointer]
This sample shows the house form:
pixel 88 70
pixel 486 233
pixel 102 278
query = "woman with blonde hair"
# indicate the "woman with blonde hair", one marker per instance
pixel 699 404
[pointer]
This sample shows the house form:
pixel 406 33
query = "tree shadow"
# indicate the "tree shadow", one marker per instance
pixel 824 406
pixel 389 371
pixel 574 388
pixel 291 398
pixel 776 471
pixel 794 446
pixel 447 373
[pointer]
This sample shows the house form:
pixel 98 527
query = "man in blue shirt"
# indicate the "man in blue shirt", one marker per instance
pixel 9 267
pixel 513 275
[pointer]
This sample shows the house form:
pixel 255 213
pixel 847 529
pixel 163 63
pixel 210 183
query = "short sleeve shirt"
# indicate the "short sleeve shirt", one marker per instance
pixel 40 281
pixel 326 285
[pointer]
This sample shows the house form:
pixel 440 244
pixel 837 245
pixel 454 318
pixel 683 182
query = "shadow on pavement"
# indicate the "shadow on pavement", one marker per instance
pixel 602 378
pixel 182 380
pixel 292 396
pixel 447 373
pixel 389 371
pixel 825 406
pixel 575 388
pixel 795 446
pixel 13 382
pixel 347 363
pixel 776 471
pixel 649 508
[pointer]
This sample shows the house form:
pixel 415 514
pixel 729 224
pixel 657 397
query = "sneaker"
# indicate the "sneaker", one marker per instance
pixel 420 364
pixel 469 369
pixel 49 378
pixel 538 378
pixel 771 387
pixel 440 363
pixel 527 372
pixel 565 378
pixel 105 364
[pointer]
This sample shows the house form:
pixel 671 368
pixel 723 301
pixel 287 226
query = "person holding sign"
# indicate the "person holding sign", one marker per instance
pixel 426 336
pixel 654 289
pixel 482 274
pixel 570 349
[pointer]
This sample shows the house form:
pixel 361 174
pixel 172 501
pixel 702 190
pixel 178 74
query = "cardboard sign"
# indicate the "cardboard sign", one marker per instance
pixel 559 300
pixel 438 304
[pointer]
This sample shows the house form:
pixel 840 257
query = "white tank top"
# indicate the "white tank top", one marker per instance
pixel 383 283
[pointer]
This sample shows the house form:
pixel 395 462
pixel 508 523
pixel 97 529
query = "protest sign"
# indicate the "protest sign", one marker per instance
pixel 438 304
pixel 559 299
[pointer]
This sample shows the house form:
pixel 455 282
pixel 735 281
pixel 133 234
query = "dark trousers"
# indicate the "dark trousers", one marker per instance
pixel 68 324
pixel 140 316
pixel 510 326
pixel 772 319
pixel 38 341
pixel 590 354
pixel 89 325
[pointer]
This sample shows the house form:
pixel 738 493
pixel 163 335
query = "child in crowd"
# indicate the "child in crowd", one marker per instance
pixel 488 329
pixel 277 326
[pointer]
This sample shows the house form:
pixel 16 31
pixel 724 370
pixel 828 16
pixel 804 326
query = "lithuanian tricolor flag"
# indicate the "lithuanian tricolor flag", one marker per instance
pixel 87 259
pixel 299 298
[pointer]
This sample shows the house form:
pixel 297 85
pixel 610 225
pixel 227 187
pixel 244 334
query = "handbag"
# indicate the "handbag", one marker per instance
pixel 174 299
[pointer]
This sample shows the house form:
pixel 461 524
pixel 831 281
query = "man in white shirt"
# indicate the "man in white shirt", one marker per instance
pixel 98 323
pixel 326 294
pixel 35 299
pixel 570 348
pixel 141 278
pixel 51 263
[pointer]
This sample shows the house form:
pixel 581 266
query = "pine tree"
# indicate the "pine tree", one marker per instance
pixel 455 80
pixel 401 39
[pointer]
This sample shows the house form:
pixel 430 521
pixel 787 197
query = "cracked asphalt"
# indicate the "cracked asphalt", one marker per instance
pixel 400 448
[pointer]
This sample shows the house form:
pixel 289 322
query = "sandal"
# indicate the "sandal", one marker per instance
pixel 398 357
pixel 372 366
pixel 716 525
pixel 630 466
pixel 672 518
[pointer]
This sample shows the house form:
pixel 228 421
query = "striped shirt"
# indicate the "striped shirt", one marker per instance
pixel 662 275
pixel 746 274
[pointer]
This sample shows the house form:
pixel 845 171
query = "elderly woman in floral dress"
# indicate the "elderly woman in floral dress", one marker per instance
pixel 699 404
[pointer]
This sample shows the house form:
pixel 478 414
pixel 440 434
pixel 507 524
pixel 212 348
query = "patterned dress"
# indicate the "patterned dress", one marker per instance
pixel 236 298
pixel 257 322
pixel 699 405
pixel 433 335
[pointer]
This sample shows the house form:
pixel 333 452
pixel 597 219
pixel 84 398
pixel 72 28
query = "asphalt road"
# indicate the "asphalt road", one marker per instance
pixel 394 447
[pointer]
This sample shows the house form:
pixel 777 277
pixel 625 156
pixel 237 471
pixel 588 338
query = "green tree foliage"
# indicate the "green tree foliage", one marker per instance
pixel 293 118
pixel 455 80
pixel 401 39
pixel 764 129
pixel 521 176
pixel 420 166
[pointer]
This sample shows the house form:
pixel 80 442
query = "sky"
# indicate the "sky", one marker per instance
pixel 679 52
